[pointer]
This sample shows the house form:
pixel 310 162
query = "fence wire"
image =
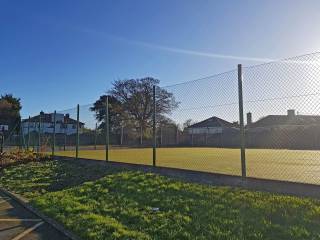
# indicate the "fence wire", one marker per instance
pixel 197 124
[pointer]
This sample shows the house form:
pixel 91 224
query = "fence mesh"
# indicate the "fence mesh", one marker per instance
pixel 282 139
pixel 202 133
pixel 197 124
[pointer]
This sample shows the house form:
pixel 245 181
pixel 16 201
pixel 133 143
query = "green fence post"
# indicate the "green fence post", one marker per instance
pixel 242 134
pixel 95 137
pixel 160 135
pixel 65 134
pixel 77 135
pixel 39 133
pixel 21 135
pixel 1 140
pixel 154 154
pixel 28 141
pixel 54 133
pixel 121 134
pixel 107 128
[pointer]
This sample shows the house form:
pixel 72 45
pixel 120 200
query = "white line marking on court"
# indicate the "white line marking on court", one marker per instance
pixel 20 220
pixel 29 230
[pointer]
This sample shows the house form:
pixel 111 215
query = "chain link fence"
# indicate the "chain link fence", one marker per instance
pixel 197 125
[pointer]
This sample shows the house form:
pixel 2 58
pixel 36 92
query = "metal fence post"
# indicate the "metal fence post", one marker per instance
pixel 242 134
pixel 192 137
pixel 177 135
pixel 77 135
pixel 39 133
pixel 1 140
pixel 95 137
pixel 28 141
pixel 121 134
pixel 21 135
pixel 154 154
pixel 107 128
pixel 65 135
pixel 54 133
pixel 141 134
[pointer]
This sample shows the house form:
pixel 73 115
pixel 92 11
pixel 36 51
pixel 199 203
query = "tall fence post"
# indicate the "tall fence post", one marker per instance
pixel 28 141
pixel 95 136
pixel 54 133
pixel 242 134
pixel 77 135
pixel 121 135
pixel 160 135
pixel 154 154
pixel 21 136
pixel 65 134
pixel 1 140
pixel 39 133
pixel 107 128
pixel 141 133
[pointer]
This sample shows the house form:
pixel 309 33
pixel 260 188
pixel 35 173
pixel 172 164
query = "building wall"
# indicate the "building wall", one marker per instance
pixel 48 128
pixel 210 130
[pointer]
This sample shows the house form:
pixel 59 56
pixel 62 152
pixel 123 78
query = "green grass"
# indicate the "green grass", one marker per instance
pixel 287 165
pixel 111 203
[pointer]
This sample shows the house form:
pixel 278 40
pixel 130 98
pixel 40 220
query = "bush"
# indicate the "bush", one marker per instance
pixel 20 157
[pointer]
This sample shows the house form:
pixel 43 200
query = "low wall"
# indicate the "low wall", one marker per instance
pixel 274 186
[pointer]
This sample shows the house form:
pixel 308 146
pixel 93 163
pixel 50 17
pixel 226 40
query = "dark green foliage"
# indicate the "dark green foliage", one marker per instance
pixel 131 105
pixel 10 111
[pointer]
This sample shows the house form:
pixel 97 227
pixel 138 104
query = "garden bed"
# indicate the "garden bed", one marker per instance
pixel 19 157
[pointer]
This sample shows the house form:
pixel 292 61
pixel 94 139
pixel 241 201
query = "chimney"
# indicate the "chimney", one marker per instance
pixel 249 118
pixel 291 113
pixel 67 115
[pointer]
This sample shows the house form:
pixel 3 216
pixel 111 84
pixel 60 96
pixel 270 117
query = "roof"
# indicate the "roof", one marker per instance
pixel 47 118
pixel 276 120
pixel 212 122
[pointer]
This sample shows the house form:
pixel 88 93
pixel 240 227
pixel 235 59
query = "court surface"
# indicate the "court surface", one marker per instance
pixel 278 164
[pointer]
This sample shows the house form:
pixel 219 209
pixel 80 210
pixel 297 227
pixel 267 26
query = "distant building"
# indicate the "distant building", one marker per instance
pixel 64 124
pixel 289 131
pixel 283 121
pixel 213 125
pixel 4 127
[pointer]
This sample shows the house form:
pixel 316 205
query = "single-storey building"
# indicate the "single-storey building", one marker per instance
pixel 289 131
pixel 213 125
pixel 283 121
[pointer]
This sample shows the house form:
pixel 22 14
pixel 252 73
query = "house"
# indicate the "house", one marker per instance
pixel 291 120
pixel 213 125
pixel 64 124
pixel 4 127
pixel 289 131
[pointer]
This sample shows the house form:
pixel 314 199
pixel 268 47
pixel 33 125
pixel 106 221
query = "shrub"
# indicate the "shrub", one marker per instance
pixel 20 157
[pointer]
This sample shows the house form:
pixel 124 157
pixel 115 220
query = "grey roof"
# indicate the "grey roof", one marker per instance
pixel 47 118
pixel 212 122
pixel 276 120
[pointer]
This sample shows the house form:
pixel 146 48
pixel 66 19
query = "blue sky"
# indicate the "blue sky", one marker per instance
pixel 55 54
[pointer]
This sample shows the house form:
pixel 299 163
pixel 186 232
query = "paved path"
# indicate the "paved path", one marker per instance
pixel 18 223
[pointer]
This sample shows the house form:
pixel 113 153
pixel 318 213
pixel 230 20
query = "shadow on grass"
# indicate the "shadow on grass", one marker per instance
pixel 36 178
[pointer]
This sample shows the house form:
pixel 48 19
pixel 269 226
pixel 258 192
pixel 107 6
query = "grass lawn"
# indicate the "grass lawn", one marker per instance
pixel 111 203
pixel 288 165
